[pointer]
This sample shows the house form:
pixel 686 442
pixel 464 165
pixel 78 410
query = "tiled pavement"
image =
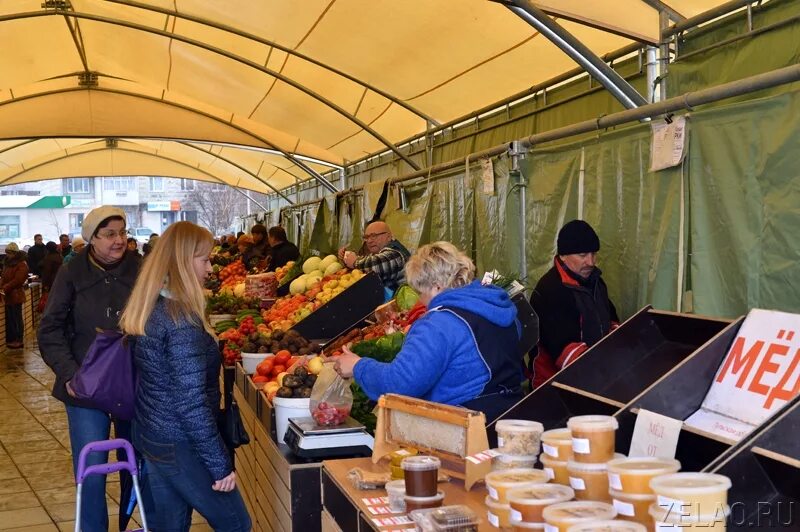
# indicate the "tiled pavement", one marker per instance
pixel 37 490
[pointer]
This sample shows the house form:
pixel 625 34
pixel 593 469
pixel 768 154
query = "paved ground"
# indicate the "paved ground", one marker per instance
pixel 37 491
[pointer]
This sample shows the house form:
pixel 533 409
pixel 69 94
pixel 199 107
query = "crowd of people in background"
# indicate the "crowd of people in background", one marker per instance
pixel 261 249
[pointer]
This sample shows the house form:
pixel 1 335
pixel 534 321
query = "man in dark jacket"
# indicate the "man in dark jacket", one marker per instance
pixel 281 250
pixel 36 254
pixel 572 303
pixel 64 246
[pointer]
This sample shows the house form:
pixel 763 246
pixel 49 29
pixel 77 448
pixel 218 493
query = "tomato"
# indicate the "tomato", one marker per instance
pixel 277 369
pixel 260 379
pixel 282 357
pixel 265 367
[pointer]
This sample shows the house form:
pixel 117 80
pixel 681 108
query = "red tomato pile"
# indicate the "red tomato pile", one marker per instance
pixel 328 415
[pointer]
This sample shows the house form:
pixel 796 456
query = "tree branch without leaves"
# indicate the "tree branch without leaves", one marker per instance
pixel 217 206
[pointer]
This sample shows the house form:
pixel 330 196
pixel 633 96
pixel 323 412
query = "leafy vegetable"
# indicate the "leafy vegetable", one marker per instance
pixel 383 349
pixel 406 297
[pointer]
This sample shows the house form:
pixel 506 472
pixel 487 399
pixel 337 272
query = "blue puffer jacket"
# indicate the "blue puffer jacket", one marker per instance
pixel 177 400
pixel 439 361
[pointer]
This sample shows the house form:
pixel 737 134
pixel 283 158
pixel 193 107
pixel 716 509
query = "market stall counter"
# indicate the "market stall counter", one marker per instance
pixel 348 508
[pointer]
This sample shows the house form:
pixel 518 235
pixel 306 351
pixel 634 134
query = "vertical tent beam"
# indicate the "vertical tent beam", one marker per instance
pixel 577 51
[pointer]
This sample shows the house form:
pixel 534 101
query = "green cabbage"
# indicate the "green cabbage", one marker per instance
pixel 406 297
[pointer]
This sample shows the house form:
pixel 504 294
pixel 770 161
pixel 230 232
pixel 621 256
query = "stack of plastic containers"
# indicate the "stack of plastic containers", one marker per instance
pixel 690 501
pixel 556 452
pixel 517 443
pixel 396 458
pixel 629 483
pixel 593 443
pixel 560 517
pixel 500 483
pixel 422 480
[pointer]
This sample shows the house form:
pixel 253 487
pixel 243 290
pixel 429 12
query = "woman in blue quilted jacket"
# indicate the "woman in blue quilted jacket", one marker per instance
pixel 177 403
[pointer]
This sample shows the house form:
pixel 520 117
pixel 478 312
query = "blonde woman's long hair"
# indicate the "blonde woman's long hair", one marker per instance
pixel 170 266
pixel 439 264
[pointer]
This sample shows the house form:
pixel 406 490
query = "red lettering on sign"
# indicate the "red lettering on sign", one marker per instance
pixel 780 392
pixel 767 366
pixel 736 360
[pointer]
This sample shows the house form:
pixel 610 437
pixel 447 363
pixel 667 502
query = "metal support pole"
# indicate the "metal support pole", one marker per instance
pixel 517 154
pixel 651 67
pixel 576 50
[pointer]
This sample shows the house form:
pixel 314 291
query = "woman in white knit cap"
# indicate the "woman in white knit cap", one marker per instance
pixel 88 294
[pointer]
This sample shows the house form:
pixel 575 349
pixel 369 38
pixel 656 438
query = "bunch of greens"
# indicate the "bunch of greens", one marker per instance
pixel 382 349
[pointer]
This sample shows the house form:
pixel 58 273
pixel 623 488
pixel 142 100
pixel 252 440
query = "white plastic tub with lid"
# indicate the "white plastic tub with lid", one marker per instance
pixel 559 517
pixel 633 475
pixel 693 494
pixel 518 436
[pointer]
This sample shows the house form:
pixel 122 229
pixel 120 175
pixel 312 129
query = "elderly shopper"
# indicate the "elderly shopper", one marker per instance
pixel 89 293
pixel 463 351
pixel 15 273
pixel 177 401
pixel 78 243
pixel 50 265
pixel 386 255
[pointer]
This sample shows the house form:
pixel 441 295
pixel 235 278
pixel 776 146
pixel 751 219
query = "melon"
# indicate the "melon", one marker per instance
pixel 298 286
pixel 333 268
pixel 311 264
pixel 327 261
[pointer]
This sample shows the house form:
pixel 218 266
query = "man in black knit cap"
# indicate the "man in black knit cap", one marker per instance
pixel 572 303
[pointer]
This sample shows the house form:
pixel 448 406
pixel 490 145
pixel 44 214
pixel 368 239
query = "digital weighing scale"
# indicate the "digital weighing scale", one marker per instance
pixel 309 440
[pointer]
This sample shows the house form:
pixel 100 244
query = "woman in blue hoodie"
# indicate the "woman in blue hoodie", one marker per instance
pixel 462 352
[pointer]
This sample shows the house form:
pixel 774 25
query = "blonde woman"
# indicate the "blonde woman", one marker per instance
pixel 178 362
pixel 462 352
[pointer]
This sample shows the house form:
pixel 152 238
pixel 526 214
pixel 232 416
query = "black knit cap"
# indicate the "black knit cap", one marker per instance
pixel 577 237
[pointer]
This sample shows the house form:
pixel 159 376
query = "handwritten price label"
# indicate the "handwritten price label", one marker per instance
pixel 655 435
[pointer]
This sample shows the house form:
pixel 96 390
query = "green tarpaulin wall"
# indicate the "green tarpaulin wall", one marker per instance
pixel 716 235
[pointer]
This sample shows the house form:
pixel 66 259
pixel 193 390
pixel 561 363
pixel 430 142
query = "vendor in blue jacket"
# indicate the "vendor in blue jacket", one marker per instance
pixel 463 351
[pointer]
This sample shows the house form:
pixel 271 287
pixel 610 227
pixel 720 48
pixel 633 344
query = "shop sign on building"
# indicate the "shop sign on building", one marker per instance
pixel 164 205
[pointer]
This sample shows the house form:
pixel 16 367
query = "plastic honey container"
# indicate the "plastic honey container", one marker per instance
pixel 396 493
pixel 614 525
pixel 520 526
pixel 557 443
pixel 421 475
pixel 632 507
pixel 559 517
pixel 590 481
pixel 498 483
pixel 397 472
pixel 502 462
pixel 528 503
pixel 593 438
pixel 670 521
pixel 422 503
pixel 518 436
pixel 397 456
pixel 498 514
pixel 695 494
pixel 556 470
pixel 633 475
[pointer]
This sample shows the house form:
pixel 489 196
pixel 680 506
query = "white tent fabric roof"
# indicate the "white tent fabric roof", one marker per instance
pixel 333 80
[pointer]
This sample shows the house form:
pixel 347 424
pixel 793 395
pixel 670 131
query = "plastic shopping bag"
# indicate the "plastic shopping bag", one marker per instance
pixel 331 398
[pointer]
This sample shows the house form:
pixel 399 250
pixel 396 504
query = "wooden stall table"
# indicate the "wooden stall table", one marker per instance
pixel 344 507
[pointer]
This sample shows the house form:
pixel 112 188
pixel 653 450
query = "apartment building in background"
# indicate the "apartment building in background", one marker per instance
pixel 58 206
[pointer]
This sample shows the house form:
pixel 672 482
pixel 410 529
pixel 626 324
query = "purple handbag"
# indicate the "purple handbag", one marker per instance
pixel 106 378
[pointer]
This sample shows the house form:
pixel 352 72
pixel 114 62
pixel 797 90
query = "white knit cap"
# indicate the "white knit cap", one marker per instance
pixel 78 241
pixel 96 216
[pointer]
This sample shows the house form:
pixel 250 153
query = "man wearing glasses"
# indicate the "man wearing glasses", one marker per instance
pixel 386 256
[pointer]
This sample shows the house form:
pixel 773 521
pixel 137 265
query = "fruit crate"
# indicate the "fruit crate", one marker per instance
pixel 344 311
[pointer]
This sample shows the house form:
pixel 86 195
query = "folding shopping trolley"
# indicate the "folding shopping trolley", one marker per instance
pixel 104 469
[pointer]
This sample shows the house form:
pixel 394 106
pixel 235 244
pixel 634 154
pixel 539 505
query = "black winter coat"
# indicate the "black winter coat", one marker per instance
pixel 83 298
pixel 36 254
pixel 281 254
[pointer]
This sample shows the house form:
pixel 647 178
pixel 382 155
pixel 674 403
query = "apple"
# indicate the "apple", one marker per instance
pixel 315 365
pixel 280 378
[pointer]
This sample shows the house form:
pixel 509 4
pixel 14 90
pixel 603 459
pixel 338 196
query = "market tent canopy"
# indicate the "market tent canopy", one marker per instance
pixel 333 80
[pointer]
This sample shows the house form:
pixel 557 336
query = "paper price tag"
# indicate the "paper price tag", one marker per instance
pixel 670 504
pixel 373 501
pixel 392 521
pixel 614 481
pixel 577 483
pixel 492 492
pixel 624 508
pixel 487 176
pixel 550 473
pixel 667 143
pixel 493 519
pixel 550 528
pixel 655 435
pixel 549 450
pixel 379 510
pixel 581 446
pixel 483 456
pixel 515 515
